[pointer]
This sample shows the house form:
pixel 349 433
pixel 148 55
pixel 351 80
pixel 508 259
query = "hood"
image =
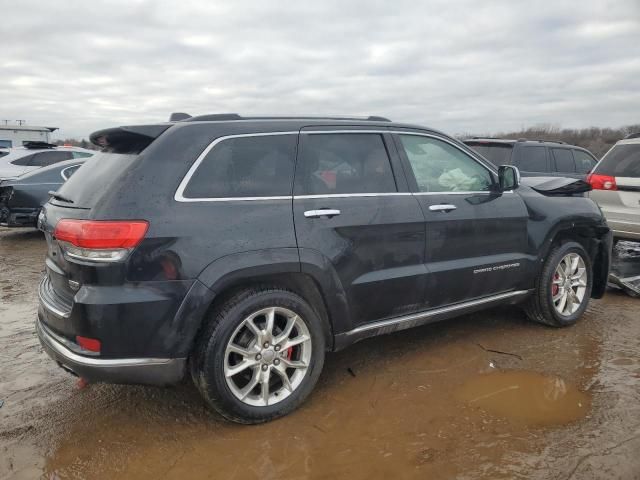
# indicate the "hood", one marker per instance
pixel 556 186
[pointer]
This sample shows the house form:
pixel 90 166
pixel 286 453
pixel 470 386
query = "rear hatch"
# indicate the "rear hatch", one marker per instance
pixel 76 200
pixel 498 153
pixel 616 184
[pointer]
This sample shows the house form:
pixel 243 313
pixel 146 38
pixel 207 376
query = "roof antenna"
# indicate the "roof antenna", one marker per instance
pixel 177 116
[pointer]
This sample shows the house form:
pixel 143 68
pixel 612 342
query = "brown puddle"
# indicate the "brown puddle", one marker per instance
pixel 527 397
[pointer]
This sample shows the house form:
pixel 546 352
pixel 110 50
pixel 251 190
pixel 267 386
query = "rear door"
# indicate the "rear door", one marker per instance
pixel 352 208
pixel 476 238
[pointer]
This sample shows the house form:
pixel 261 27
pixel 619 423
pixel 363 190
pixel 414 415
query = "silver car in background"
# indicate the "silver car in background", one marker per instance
pixel 616 187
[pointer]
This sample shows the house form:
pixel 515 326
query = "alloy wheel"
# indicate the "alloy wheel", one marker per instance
pixel 569 284
pixel 267 356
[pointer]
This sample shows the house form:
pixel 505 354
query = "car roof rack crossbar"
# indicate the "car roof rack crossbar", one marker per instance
pixel 632 135
pixel 540 140
pixel 38 145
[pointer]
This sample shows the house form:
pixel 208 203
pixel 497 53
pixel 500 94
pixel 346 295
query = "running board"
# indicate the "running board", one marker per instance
pixel 404 322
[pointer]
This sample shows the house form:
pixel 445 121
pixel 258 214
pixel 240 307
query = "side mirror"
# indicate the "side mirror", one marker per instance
pixel 508 177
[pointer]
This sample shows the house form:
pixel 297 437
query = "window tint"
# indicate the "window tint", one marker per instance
pixel 498 154
pixel 440 167
pixel 531 159
pixel 22 161
pixel 621 161
pixel 564 160
pixel 81 154
pixel 49 158
pixel 344 163
pixel 260 166
pixel 584 161
pixel 6 143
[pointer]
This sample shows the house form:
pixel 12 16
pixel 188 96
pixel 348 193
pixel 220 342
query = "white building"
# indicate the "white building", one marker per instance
pixel 16 135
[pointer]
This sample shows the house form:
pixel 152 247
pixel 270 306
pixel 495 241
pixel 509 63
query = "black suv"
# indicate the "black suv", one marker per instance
pixel 536 158
pixel 241 249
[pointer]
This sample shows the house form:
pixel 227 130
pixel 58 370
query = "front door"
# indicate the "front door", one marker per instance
pixel 476 237
pixel 351 205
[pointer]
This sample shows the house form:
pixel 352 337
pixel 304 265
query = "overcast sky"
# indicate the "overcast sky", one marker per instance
pixel 463 66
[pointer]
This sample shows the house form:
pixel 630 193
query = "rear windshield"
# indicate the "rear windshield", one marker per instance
pixel 621 161
pixel 89 183
pixel 498 154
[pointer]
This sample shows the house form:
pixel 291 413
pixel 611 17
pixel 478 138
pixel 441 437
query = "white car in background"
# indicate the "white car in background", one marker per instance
pixel 34 155
pixel 616 187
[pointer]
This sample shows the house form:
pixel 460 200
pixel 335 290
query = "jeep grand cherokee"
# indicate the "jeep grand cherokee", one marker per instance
pixel 240 250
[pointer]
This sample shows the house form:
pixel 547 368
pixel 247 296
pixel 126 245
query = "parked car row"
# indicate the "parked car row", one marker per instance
pixel 27 176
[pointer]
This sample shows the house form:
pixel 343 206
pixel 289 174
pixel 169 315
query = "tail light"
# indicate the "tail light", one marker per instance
pixel 99 240
pixel 602 182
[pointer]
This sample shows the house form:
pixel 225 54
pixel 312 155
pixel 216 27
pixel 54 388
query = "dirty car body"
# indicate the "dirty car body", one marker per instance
pixel 22 198
pixel 403 248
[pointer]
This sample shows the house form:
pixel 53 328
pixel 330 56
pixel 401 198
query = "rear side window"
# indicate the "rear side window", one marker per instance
pixel 339 163
pixel 563 160
pixel 23 161
pixel 49 158
pixel 621 161
pixel 584 161
pixel 498 154
pixel 531 159
pixel 260 166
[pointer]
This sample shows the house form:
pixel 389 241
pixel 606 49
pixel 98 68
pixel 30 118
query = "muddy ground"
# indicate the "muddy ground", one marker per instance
pixel 484 396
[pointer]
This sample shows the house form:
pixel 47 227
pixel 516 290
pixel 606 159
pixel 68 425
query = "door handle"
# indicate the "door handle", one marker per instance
pixel 323 212
pixel 442 207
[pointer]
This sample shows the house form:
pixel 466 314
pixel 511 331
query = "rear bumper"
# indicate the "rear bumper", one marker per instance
pixel 148 371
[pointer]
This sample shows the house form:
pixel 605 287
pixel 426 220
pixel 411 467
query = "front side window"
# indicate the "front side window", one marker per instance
pixel 584 161
pixel 531 159
pixel 81 154
pixel 440 167
pixel 258 166
pixel 341 163
pixel 564 160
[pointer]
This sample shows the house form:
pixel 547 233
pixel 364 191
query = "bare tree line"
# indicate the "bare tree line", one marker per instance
pixel 595 139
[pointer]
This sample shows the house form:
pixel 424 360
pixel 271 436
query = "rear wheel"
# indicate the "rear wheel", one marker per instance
pixel 260 356
pixel 563 287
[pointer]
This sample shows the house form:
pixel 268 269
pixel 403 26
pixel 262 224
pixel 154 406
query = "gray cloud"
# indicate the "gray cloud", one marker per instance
pixel 463 66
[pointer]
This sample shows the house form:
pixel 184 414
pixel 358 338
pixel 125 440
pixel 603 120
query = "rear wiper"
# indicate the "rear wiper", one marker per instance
pixel 57 196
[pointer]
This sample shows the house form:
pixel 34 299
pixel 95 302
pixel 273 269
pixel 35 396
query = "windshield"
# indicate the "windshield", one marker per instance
pixel 621 161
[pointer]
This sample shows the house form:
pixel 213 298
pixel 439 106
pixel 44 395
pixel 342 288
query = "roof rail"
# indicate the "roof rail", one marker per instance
pixel 235 116
pixel 632 135
pixel 540 140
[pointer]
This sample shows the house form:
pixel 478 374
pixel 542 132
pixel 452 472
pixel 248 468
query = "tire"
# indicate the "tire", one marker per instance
pixel 540 307
pixel 214 355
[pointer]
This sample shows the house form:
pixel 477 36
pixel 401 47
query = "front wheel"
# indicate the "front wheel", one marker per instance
pixel 260 356
pixel 563 287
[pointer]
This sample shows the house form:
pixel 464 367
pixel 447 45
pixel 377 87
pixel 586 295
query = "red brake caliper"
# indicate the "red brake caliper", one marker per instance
pixel 289 353
pixel 555 287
